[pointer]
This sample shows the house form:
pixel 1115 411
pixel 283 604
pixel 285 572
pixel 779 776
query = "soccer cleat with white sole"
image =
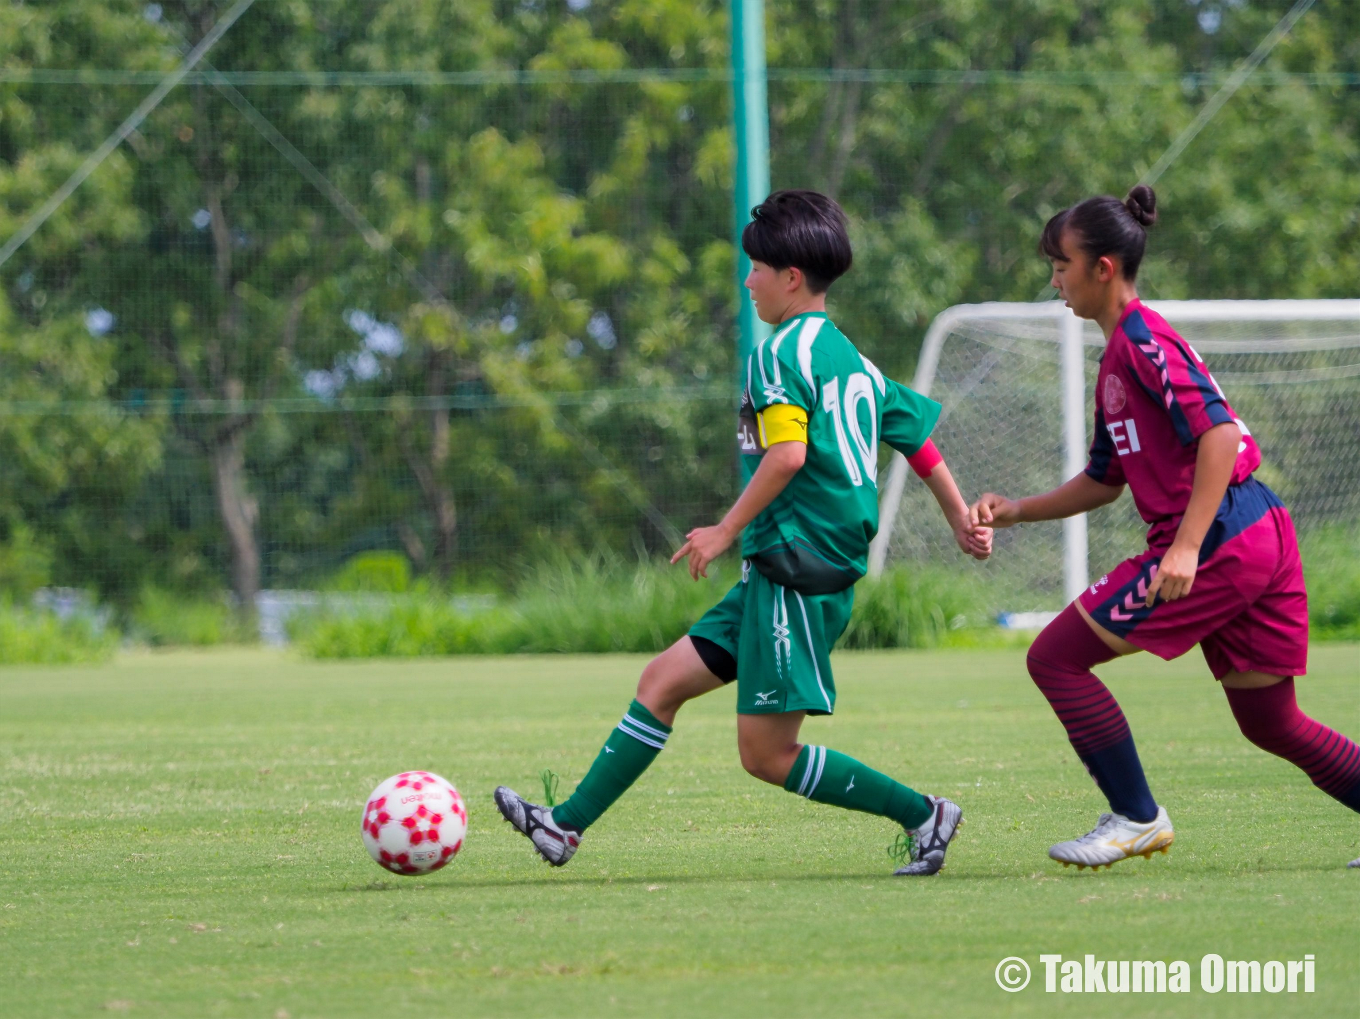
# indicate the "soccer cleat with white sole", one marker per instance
pixel 1116 838
pixel 931 839
pixel 555 843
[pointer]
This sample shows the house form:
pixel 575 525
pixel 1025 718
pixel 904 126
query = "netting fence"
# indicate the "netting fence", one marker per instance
pixel 476 318
pixel 1291 370
pixel 279 382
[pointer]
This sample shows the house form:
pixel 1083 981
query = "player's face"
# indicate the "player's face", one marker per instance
pixel 771 290
pixel 1080 281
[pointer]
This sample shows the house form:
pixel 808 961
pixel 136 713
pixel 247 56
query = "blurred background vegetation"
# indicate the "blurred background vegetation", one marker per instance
pixel 451 282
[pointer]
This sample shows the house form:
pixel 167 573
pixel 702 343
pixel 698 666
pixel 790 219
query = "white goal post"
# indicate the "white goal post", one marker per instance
pixel 1019 374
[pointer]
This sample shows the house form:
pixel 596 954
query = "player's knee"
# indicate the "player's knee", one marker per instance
pixel 1043 658
pixel 662 683
pixel 1265 732
pixel 1065 646
pixel 762 768
pixel 766 763
pixel 1269 717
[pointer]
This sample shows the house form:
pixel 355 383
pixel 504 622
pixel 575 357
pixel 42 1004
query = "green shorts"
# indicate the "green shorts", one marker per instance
pixel 781 641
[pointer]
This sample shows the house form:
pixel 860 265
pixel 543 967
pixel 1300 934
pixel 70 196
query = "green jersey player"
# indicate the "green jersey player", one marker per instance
pixel 812 415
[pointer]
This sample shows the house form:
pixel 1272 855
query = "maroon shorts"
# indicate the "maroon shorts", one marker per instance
pixel 1247 609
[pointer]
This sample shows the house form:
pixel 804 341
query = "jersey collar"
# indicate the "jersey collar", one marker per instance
pixel 1135 305
pixel 802 314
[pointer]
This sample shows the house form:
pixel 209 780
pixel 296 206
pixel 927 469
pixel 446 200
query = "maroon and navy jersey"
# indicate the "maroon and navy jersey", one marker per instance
pixel 1154 399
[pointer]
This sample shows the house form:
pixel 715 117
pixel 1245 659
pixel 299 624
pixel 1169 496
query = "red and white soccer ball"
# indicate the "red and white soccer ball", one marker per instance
pixel 414 823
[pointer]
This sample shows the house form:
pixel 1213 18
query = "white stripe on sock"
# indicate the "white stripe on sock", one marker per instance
pixel 807 770
pixel 640 737
pixel 821 763
pixel 644 727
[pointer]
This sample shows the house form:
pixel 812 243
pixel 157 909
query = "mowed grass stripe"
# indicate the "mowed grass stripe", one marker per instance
pixel 181 838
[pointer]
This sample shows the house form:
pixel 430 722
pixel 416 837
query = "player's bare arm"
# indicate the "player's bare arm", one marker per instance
pixel 1077 495
pixel 777 467
pixel 1214 462
pixel 973 538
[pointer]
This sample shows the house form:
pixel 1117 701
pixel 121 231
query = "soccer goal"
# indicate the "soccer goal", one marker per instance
pixel 1015 381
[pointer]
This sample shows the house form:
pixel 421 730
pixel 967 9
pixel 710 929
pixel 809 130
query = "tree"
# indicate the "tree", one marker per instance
pixel 513 330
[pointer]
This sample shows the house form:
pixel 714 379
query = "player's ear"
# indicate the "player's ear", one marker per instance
pixel 795 278
pixel 1105 269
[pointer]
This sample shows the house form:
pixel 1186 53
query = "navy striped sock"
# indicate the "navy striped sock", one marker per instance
pixel 1060 663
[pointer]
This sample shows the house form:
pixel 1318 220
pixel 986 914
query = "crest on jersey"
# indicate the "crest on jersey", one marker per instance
pixel 1114 395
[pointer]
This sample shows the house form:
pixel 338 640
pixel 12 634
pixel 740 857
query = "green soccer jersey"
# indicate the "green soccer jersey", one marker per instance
pixel 815 536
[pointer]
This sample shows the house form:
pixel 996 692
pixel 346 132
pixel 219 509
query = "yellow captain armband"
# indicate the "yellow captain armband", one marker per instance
pixel 782 422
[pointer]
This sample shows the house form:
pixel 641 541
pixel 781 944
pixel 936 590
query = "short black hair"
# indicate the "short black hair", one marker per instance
pixel 803 230
pixel 1106 226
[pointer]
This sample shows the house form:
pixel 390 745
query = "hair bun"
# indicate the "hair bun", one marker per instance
pixel 1142 204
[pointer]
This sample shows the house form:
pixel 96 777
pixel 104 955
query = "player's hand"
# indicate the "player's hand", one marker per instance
pixel 1175 574
pixel 994 510
pixel 703 545
pixel 974 541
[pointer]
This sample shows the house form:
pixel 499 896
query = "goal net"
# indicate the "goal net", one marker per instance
pixel 1016 384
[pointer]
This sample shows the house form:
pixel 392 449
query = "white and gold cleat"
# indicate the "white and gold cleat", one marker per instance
pixel 1116 838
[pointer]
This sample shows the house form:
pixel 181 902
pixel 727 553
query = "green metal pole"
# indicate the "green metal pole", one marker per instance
pixel 751 125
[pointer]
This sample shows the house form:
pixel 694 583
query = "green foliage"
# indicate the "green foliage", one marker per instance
pixel 25 564
pixel 916 607
pixel 530 243
pixel 600 603
pixel 376 572
pixel 1331 559
pixel 39 636
pixel 171 619
pixel 583 604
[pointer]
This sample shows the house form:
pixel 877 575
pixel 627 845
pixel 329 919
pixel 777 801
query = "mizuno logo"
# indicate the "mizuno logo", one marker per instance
pixel 766 698
pixel 851 785
pixel 608 750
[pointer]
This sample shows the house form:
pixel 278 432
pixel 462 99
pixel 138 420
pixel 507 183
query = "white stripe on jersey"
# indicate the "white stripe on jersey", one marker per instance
pixel 807 336
pixel 877 375
pixel 774 352
pixel 773 391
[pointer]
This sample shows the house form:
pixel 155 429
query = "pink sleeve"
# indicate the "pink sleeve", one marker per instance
pixel 923 461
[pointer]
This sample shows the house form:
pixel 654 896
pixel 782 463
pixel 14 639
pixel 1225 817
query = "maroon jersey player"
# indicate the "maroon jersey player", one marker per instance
pixel 1221 569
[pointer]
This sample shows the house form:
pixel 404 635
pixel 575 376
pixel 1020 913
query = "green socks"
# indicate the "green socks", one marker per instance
pixel 830 777
pixel 819 774
pixel 631 747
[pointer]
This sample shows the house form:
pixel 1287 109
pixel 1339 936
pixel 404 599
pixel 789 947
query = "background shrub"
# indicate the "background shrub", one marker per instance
pixel 43 637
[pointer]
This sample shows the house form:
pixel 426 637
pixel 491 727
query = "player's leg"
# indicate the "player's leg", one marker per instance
pixel 1060 662
pixel 784 674
pixel 676 675
pixel 1091 631
pixel 770 751
pixel 696 664
pixel 1256 656
pixel 670 679
pixel 1269 715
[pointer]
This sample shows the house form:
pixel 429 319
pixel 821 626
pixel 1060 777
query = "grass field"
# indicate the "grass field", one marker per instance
pixel 181 839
